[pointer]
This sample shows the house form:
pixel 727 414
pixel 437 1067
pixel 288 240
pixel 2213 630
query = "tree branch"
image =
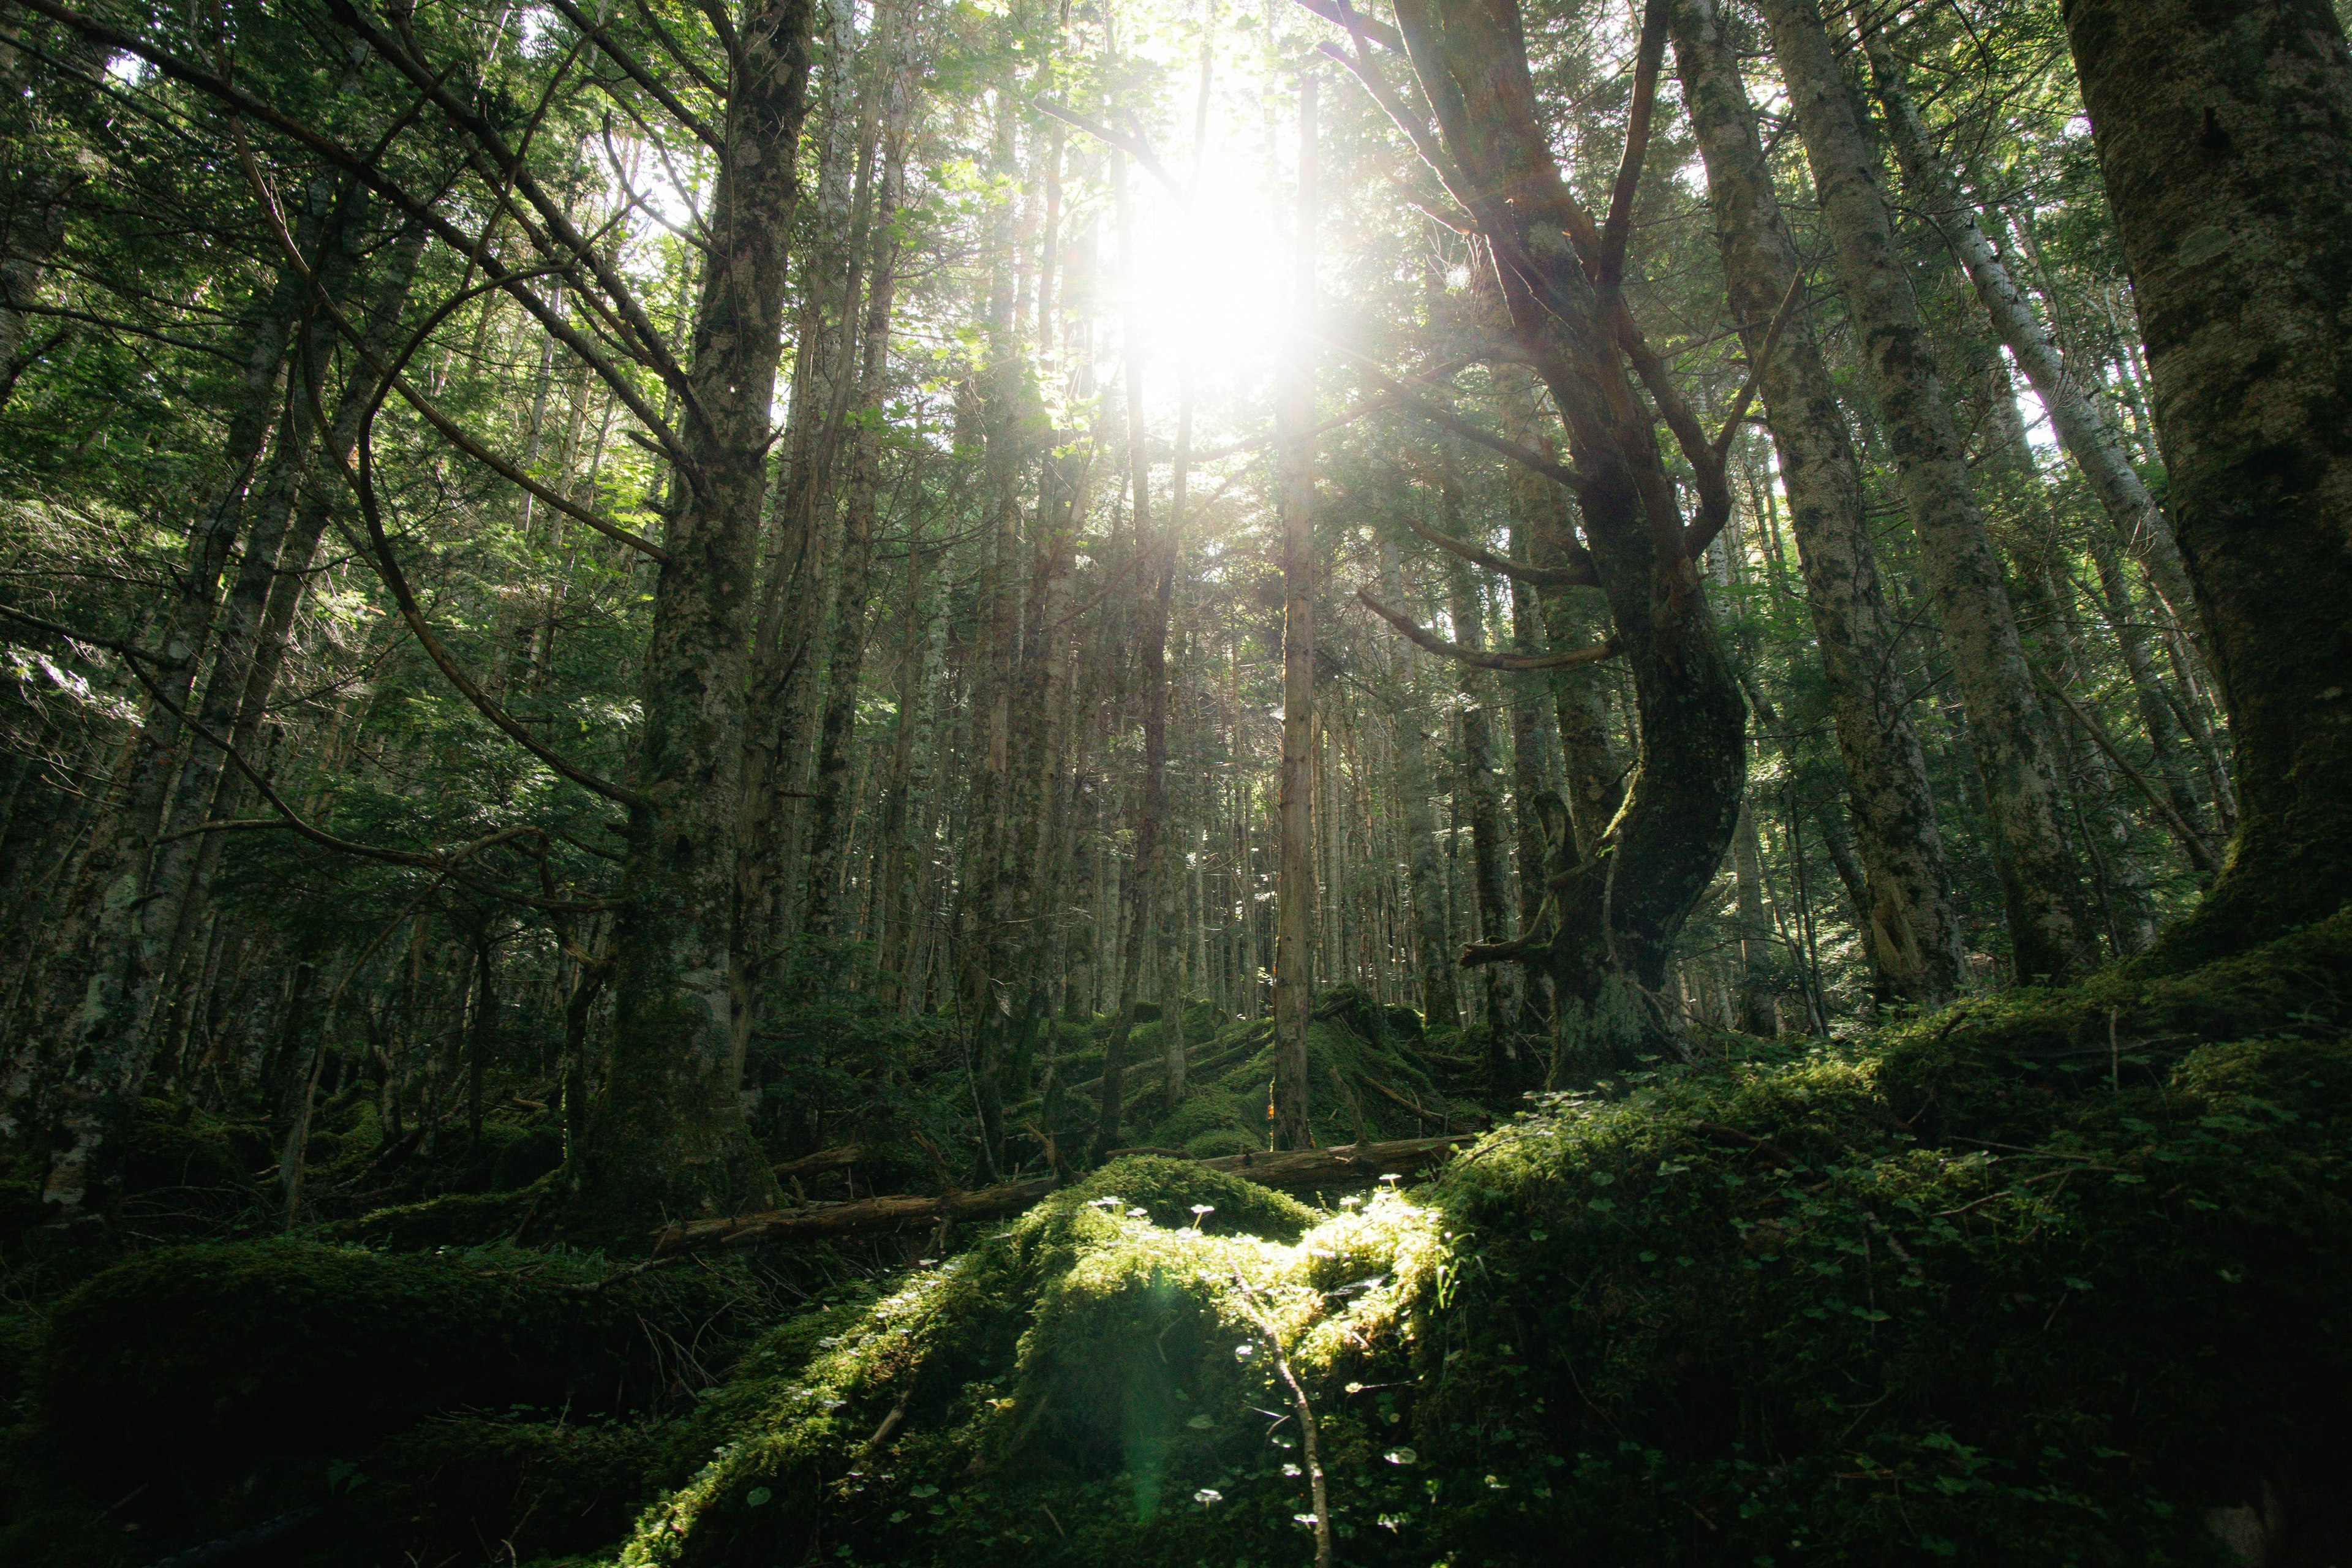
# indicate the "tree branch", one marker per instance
pixel 1480 657
pixel 1580 573
pixel 1619 227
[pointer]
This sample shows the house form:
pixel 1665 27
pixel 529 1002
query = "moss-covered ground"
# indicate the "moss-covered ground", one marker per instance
pixel 2052 1279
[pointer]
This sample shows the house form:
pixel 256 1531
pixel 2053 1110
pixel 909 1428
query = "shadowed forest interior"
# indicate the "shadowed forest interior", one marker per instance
pixel 1485 781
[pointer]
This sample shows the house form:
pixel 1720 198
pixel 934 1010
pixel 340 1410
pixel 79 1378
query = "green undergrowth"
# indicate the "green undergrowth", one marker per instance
pixel 1365 1076
pixel 429 1406
pixel 1925 1298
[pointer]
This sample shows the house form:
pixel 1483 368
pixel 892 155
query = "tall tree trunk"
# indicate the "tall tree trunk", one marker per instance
pixel 2016 751
pixel 1293 414
pixel 1911 937
pixel 97 1039
pixel 2224 135
pixel 1440 1010
pixel 845 669
pixel 668 1136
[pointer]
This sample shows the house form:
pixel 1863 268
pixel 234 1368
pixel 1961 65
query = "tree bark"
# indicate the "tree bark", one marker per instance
pixel 2224 136
pixel 2016 751
pixel 1294 412
pixel 1911 937
pixel 668 1135
pixel 1440 1010
pixel 1614 916
pixel 2084 431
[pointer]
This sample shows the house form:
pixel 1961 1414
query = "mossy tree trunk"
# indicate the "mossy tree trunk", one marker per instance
pixel 2224 135
pixel 1911 936
pixel 1294 412
pixel 1439 1008
pixel 2015 749
pixel 1614 915
pixel 668 1137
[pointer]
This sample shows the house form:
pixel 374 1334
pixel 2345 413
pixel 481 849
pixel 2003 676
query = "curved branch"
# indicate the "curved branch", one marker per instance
pixel 1339 13
pixel 1135 147
pixel 1580 573
pixel 369 172
pixel 1428 639
pixel 1558 473
pixel 327 840
pixel 394 375
pixel 362 484
pixel 1715 499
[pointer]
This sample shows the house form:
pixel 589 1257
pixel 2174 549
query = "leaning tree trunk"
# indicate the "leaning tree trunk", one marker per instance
pixel 2016 751
pixel 2086 433
pixel 2224 133
pixel 668 1136
pixel 1913 941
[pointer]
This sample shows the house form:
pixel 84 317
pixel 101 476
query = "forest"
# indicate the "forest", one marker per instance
pixel 1464 784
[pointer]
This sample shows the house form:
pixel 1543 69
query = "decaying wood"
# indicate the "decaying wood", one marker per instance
pixel 1346 1164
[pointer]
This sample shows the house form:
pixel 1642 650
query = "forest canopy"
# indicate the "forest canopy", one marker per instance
pixel 1569 727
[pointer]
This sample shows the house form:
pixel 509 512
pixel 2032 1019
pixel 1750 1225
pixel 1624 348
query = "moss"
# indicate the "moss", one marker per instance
pixel 277 1344
pixel 159 1152
pixel 1355 1053
pixel 454 1219
pixel 1916 1299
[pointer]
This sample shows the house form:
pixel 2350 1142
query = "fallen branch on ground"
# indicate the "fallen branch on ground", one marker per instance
pixel 1346 1164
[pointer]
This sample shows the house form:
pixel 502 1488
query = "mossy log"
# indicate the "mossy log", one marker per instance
pixel 1346 1164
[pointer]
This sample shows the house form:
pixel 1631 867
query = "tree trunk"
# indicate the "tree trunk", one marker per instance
pixel 2089 437
pixel 2040 882
pixel 1440 1010
pixel 2224 135
pixel 1911 937
pixel 1614 916
pixel 99 1036
pixel 668 1136
pixel 1294 412
pixel 846 668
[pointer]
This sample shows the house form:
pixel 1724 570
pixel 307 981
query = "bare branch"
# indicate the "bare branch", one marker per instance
pixel 1580 573
pixel 1134 147
pixel 1559 473
pixel 1428 639
pixel 1344 15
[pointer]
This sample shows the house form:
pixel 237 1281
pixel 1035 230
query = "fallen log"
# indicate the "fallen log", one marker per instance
pixel 1345 1164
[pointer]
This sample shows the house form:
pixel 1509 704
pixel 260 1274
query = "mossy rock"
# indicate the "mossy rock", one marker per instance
pixel 1169 1190
pixel 289 1342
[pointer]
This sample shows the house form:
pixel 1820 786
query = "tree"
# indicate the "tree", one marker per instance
pixel 2224 136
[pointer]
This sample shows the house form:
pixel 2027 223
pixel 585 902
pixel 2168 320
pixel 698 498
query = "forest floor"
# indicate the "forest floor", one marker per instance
pixel 2052 1278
